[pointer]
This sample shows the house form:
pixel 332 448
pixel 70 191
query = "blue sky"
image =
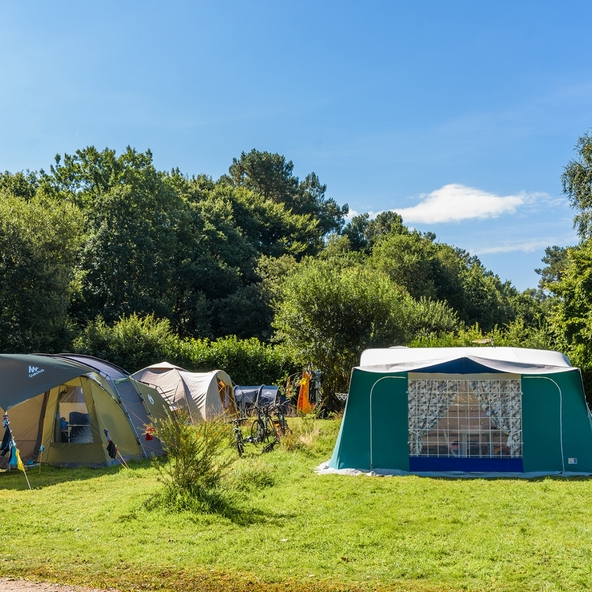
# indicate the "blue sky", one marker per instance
pixel 459 115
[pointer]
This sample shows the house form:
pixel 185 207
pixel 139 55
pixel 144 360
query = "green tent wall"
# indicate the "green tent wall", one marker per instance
pixel 555 420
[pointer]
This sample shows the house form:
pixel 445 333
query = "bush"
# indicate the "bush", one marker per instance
pixel 247 361
pixel 135 342
pixel 197 459
pixel 132 343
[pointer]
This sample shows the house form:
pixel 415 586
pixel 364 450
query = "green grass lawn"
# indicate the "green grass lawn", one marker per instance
pixel 287 528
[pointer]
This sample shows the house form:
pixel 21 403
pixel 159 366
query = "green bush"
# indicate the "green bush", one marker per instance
pixel 132 343
pixel 247 361
pixel 197 459
pixel 135 342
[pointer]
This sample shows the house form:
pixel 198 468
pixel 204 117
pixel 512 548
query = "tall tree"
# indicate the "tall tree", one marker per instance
pixel 555 261
pixel 132 216
pixel 577 185
pixel 39 239
pixel 327 313
pixel 272 177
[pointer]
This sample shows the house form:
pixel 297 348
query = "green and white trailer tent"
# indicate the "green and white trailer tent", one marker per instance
pixel 65 405
pixel 472 411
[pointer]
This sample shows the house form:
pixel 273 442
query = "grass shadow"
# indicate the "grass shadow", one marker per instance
pixel 44 476
pixel 214 503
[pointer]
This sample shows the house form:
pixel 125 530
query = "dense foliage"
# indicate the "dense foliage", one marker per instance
pixel 258 272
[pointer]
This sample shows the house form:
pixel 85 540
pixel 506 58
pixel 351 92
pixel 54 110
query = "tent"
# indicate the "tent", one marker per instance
pixel 140 402
pixel 470 411
pixel 247 397
pixel 65 405
pixel 203 395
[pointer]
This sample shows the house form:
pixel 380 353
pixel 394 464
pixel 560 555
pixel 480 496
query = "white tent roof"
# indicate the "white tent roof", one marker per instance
pixel 502 359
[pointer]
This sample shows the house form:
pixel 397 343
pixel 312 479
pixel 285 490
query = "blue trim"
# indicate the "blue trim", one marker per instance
pixel 419 464
pixel 458 366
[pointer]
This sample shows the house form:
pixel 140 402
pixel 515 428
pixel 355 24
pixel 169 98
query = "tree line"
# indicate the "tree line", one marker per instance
pixel 102 243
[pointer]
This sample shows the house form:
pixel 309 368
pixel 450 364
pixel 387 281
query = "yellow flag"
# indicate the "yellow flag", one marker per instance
pixel 19 462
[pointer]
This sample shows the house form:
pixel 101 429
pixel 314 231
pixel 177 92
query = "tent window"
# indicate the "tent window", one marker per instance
pixel 73 421
pixel 465 418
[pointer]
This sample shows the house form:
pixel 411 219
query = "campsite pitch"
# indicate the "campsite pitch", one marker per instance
pixel 284 528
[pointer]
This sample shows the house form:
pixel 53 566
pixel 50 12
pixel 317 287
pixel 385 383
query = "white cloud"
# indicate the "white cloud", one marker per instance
pixel 456 202
pixel 524 247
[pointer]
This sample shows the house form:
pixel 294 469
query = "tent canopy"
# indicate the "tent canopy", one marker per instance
pixel 25 376
pixel 463 360
pixel 248 397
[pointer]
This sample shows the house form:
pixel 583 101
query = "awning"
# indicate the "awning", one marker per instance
pixel 24 376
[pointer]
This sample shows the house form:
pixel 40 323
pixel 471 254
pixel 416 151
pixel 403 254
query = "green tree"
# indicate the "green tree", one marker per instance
pixel 577 185
pixel 409 260
pixel 572 311
pixel 364 232
pixel 39 239
pixel 272 177
pixel 22 184
pixel 132 217
pixel 328 316
pixel 555 260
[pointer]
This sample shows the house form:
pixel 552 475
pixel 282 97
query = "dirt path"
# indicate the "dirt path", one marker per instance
pixel 20 585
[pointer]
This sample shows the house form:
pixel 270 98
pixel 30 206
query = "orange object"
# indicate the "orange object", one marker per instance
pixel 304 405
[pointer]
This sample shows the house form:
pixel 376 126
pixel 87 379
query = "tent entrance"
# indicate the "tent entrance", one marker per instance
pixel 72 418
pixel 465 423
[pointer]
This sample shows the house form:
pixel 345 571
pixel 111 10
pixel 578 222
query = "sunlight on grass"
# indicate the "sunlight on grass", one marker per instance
pixel 286 528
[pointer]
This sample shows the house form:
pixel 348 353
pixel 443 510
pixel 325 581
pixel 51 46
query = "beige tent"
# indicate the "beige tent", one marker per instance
pixel 59 409
pixel 203 395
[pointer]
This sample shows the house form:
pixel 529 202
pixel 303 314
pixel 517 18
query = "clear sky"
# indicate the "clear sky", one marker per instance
pixel 459 115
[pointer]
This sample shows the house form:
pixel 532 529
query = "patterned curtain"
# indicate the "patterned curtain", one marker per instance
pixel 502 402
pixel 428 402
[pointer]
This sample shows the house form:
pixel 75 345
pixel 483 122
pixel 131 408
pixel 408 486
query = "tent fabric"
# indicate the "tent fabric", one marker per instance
pixel 203 395
pixel 248 397
pixel 141 403
pixel 25 376
pixel 397 394
pixel 68 410
pixel 455 359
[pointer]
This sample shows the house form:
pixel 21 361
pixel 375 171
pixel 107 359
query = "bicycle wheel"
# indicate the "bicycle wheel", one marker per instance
pixel 283 422
pixel 269 428
pixel 257 431
pixel 240 445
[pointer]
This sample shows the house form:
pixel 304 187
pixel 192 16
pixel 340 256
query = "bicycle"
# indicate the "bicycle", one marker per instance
pixel 239 440
pixel 262 427
pixel 280 422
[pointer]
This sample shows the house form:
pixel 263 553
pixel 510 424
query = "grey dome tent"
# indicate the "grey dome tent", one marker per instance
pixel 485 411
pixel 202 395
pixel 249 397
pixel 65 406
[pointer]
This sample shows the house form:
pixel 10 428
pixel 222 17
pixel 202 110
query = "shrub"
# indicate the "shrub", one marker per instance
pixel 132 343
pixel 248 361
pixel 197 459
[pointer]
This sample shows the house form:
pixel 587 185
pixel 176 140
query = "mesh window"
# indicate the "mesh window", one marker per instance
pixel 465 418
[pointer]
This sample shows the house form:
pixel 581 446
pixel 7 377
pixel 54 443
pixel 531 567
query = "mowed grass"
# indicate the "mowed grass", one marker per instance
pixel 286 528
